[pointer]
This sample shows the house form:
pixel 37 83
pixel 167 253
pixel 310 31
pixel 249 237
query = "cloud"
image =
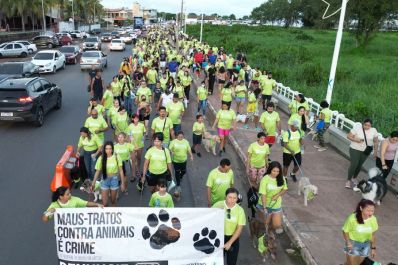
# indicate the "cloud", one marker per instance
pixel 221 7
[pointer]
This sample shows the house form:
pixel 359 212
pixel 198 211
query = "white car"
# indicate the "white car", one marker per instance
pixel 49 61
pixel 13 49
pixel 117 45
pixel 30 46
pixel 127 39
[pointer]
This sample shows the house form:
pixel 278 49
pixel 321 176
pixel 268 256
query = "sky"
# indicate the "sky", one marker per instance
pixel 221 7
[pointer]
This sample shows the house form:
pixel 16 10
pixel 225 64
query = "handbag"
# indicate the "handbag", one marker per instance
pixel 170 181
pixel 368 150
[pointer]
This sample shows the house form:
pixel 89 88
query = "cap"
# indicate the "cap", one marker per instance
pixel 295 123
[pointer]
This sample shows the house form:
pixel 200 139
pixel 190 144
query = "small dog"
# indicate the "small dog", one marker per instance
pixel 210 142
pixel 86 187
pixel 307 189
pixel 375 188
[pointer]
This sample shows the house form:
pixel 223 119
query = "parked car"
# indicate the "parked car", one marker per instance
pixel 49 61
pixel 106 37
pixel 96 58
pixel 18 69
pixel 127 39
pixel 115 35
pixel 28 99
pixel 92 43
pixel 122 31
pixel 65 40
pixel 95 31
pixel 63 33
pixel 76 34
pixel 29 45
pixel 117 45
pixel 45 41
pixel 72 53
pixel 13 49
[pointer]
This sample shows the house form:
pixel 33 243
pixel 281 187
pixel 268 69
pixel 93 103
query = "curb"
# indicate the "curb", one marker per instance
pixel 288 227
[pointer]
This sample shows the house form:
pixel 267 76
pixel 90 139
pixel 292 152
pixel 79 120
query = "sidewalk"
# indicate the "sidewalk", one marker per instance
pixel 317 228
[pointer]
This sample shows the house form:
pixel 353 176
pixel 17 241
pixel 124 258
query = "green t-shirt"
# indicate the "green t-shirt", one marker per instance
pixel 151 76
pixel 108 99
pixel 91 144
pixel 120 122
pixel 240 91
pixel 163 83
pixel 219 182
pixel 198 128
pixel 202 93
pixel 113 164
pixel 295 117
pixel 100 109
pixel 95 124
pixel 180 91
pixel 269 121
pixel 164 126
pixel 295 105
pixel 186 80
pixel 360 232
pixel 327 113
pixel 116 88
pixel 144 91
pixel 124 150
pixel 292 142
pixel 225 119
pixel 230 63
pixel 269 188
pixel 159 201
pixel 74 202
pixel 258 154
pixel 180 149
pixel 158 160
pixel 236 216
pixel 175 109
pixel 137 133
pixel 267 86
pixel 226 94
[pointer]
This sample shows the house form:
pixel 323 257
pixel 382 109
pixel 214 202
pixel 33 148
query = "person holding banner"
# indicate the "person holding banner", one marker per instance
pixel 161 198
pixel 111 166
pixel 62 198
pixel 234 221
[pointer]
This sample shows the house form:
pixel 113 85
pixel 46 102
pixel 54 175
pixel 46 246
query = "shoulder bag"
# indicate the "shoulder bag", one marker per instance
pixel 368 148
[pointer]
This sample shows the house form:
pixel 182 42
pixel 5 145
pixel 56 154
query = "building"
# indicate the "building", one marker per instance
pixel 118 15
pixel 150 16
pixel 137 10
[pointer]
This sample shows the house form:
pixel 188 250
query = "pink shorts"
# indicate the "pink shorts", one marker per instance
pixel 223 132
pixel 256 174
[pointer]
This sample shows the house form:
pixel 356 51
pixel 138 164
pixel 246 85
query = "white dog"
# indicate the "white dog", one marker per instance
pixel 86 187
pixel 307 189
pixel 375 188
pixel 210 142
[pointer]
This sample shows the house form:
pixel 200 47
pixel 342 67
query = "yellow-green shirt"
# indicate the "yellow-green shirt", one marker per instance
pixel 225 119
pixel 258 154
pixel 219 182
pixel 144 91
pixel 164 126
pixel 292 142
pixel 180 91
pixel 124 150
pixel 267 86
pixel 151 76
pixel 159 201
pixel 295 105
pixel 108 99
pixel 175 110
pixel 270 121
pixel 116 89
pixel 198 128
pixel 328 114
pixel 91 144
pixel 226 94
pixel 120 122
pixel 113 164
pixel 137 133
pixel 186 80
pixel 158 160
pixel 236 217
pixel 180 150
pixel 295 117
pixel 202 93
pixel 269 188
pixel 360 232
pixel 95 124
pixel 240 91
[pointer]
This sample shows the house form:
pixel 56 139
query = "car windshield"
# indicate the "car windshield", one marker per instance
pixel 9 69
pixel 91 54
pixel 116 41
pixel 67 49
pixel 91 40
pixel 106 34
pixel 115 32
pixel 44 56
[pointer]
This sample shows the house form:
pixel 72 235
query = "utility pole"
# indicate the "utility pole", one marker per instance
pixel 181 16
pixel 44 17
pixel 201 29
pixel 336 52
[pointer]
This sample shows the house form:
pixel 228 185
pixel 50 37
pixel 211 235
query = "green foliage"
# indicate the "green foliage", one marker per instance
pixel 366 79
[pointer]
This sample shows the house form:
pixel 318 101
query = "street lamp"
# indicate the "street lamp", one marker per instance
pixel 44 17
pixel 73 15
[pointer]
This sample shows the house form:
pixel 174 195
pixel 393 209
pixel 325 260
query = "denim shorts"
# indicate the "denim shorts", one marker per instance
pixel 269 210
pixel 111 183
pixel 358 249
pixel 242 100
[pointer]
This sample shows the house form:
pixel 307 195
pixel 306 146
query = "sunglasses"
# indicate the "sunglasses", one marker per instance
pixel 229 213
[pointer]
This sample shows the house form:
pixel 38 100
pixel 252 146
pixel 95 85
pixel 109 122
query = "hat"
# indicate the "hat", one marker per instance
pixel 295 123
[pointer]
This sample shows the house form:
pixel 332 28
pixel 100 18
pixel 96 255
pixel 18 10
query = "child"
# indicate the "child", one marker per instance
pixel 198 131
pixel 323 124
pixel 107 100
pixel 202 98
pixel 252 110
pixel 161 199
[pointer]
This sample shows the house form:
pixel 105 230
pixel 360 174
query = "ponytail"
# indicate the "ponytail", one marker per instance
pixel 358 211
pixel 58 193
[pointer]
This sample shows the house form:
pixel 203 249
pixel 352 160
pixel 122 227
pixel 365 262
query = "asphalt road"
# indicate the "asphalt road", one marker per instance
pixel 27 162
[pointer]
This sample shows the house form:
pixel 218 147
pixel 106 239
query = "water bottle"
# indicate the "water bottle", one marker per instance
pixel 302 149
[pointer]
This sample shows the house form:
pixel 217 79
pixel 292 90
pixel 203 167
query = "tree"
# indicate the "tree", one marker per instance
pixel 245 17
pixel 286 12
pixel 232 17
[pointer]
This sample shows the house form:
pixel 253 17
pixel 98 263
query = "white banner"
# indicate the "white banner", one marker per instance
pixel 140 236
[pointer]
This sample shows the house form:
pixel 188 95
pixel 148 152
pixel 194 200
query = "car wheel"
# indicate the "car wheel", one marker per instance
pixel 30 51
pixel 24 54
pixel 54 69
pixel 39 118
pixel 63 65
pixel 58 105
pixel 50 45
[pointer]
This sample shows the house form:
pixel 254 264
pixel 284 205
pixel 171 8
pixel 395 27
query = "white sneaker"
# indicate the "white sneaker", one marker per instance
pixel 348 184
pixel 317 146
pixel 322 149
pixel 356 189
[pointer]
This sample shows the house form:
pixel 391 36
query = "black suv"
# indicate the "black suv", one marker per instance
pixel 28 99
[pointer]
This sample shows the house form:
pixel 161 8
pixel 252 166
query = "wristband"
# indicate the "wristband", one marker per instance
pixel 373 248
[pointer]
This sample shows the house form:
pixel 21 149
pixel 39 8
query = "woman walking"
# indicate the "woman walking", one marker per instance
pixel 91 145
pixel 125 151
pixel 202 94
pixel 226 121
pixel 301 119
pixel 136 131
pixel 257 159
pixel 234 221
pixel 110 166
pixel 364 139
pixel 388 151
pixel 359 233
pixel 222 76
pixel 227 93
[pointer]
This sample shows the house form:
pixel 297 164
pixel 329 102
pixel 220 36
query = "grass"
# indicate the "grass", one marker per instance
pixel 366 80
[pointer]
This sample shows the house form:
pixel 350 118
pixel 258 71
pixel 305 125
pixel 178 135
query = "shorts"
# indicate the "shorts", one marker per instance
pixel 144 118
pixel 153 179
pixel 241 100
pixel 266 97
pixel 287 159
pixel 111 183
pixel 256 174
pixel 223 132
pixel 196 139
pixel 358 249
pixel 177 128
pixel 125 166
pixel 269 210
pixel 251 115
pixel 162 64
pixel 221 81
pixel 270 139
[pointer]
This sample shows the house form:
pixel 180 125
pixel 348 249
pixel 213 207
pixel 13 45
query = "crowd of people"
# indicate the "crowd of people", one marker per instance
pixel 145 105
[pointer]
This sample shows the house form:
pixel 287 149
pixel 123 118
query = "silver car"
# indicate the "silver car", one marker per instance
pixel 13 49
pixel 93 58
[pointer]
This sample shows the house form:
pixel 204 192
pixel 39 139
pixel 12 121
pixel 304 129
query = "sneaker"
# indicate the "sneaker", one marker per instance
pixel 258 129
pixel 199 154
pixel 354 182
pixel 204 117
pixel 139 186
pixel 293 176
pixel 356 189
pixel 132 180
pixel 322 149
pixel 246 126
pixel 348 184
pixel 193 150
pixel 317 146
